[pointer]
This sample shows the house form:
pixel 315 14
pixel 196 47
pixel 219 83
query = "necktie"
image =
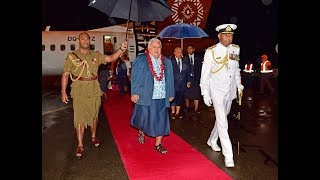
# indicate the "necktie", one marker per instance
pixel 179 64
pixel 191 60
pixel 192 64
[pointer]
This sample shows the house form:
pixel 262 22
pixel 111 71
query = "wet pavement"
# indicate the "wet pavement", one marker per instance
pixel 256 132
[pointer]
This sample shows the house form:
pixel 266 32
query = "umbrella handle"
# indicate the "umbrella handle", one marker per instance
pixel 126 39
pixel 128 20
pixel 127 31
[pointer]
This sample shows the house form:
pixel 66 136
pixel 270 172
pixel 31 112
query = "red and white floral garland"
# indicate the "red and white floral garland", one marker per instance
pixel 154 74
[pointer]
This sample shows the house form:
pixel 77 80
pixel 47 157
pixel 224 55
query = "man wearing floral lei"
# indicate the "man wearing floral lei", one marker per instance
pixel 152 89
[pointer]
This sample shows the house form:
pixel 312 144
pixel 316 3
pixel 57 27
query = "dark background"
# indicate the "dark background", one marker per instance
pixel 257 22
pixel 257 30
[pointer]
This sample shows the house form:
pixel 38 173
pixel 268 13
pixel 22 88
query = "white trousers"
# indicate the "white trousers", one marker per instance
pixel 220 128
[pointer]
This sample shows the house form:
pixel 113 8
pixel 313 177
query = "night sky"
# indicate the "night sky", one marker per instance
pixel 257 30
pixel 257 22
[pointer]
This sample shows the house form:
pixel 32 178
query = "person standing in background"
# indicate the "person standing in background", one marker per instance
pixel 248 70
pixel 182 81
pixel 122 74
pixel 104 77
pixel 194 92
pixel 266 73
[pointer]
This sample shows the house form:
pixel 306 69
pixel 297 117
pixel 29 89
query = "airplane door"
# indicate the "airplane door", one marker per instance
pixel 108 44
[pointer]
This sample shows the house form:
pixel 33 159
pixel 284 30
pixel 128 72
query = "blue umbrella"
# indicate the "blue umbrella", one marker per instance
pixel 181 31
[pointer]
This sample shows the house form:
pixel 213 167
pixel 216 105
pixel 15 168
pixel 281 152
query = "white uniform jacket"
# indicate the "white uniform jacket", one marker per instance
pixel 220 77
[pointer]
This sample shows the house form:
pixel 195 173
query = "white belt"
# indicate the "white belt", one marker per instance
pixel 267 71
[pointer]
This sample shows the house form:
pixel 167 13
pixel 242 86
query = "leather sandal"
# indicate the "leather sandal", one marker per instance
pixel 160 149
pixel 173 116
pixel 79 151
pixel 141 138
pixel 95 141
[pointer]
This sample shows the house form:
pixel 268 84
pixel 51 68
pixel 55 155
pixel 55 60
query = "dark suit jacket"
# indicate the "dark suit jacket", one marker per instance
pixel 142 80
pixel 180 78
pixel 196 68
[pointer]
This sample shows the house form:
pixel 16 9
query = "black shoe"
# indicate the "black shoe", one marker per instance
pixel 186 109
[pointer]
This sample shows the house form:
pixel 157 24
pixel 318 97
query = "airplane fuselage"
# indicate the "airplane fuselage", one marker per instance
pixel 57 44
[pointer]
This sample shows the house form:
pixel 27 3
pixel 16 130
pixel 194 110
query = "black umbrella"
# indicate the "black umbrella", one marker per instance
pixel 134 10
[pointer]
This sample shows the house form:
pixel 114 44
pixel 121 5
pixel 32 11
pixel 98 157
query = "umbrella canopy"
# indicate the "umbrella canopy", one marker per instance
pixel 181 31
pixel 134 10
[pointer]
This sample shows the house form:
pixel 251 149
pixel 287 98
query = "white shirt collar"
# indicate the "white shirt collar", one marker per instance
pixel 222 46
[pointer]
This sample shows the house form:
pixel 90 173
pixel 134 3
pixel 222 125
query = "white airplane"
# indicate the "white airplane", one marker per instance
pixel 57 44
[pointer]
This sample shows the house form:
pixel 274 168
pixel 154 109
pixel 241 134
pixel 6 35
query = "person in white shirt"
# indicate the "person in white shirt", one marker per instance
pixel 219 82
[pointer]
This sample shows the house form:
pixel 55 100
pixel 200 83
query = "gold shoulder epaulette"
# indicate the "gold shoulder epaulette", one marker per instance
pixel 212 46
pixel 69 56
pixel 234 45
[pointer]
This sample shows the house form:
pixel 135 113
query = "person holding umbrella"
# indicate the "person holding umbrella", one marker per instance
pixel 82 67
pixel 152 89
pixel 219 82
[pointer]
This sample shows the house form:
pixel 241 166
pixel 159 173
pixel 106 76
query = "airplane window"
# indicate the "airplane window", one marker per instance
pixel 72 47
pixel 52 47
pixel 92 47
pixel 43 47
pixel 62 47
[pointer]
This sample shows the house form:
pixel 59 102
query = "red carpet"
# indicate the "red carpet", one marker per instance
pixel 141 161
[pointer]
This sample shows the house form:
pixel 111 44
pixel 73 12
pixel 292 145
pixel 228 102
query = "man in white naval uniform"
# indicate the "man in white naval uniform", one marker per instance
pixel 219 82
